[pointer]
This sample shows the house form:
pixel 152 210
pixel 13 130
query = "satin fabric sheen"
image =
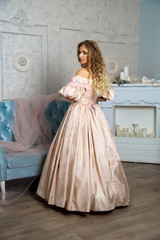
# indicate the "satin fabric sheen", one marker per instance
pixel 83 171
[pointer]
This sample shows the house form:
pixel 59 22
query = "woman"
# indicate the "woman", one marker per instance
pixel 83 171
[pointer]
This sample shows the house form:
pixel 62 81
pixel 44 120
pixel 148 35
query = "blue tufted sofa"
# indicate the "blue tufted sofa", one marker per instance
pixel 22 164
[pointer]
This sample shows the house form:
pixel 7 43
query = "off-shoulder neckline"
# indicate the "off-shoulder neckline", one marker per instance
pixel 83 77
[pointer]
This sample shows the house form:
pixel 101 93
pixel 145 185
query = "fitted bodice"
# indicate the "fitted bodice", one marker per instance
pixel 81 90
pixel 89 96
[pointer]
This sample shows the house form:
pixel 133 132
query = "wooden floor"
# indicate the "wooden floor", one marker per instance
pixel 30 218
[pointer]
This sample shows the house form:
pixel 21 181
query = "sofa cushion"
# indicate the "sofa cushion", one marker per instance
pixel 55 113
pixel 24 159
pixel 6 113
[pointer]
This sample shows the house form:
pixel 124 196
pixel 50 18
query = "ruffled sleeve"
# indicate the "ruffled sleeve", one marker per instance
pixel 75 88
pixel 109 94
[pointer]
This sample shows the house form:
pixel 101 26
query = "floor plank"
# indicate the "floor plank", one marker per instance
pixel 31 218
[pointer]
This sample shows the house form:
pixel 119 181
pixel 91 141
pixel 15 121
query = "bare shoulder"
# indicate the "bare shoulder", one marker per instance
pixel 82 73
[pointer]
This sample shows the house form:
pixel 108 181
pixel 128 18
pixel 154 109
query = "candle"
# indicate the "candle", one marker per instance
pixel 149 135
pixel 118 133
pixel 128 79
pixel 117 127
pixel 126 134
pixel 130 129
pixel 131 134
pixel 126 72
pixel 122 76
pixel 144 132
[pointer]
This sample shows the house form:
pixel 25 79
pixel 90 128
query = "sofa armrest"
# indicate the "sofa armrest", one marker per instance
pixel 3 165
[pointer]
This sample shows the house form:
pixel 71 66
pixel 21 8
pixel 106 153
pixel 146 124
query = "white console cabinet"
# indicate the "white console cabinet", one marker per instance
pixel 137 104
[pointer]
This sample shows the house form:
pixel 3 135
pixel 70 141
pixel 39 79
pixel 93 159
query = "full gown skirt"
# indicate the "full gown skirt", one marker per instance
pixel 83 171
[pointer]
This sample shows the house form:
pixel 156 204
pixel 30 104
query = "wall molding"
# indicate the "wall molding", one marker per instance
pixel 21 20
pixel 10 33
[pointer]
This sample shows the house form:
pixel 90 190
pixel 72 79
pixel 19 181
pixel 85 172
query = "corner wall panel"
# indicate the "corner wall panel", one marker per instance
pixel 69 38
pixel 23 55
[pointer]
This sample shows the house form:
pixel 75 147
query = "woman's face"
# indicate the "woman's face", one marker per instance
pixel 82 55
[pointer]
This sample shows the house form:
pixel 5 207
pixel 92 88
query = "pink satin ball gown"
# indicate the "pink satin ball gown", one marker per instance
pixel 83 171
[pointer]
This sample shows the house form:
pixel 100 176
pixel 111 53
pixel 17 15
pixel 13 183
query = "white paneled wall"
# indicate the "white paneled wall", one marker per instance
pixel 23 61
pixel 38 41
pixel 69 62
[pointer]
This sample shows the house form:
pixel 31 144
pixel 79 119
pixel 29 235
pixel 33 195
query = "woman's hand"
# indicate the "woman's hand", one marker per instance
pixel 69 99
pixel 101 99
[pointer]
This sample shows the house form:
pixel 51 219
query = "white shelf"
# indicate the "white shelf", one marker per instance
pixel 137 85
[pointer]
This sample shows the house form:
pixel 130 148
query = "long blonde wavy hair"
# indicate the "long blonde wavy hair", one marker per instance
pixel 96 66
